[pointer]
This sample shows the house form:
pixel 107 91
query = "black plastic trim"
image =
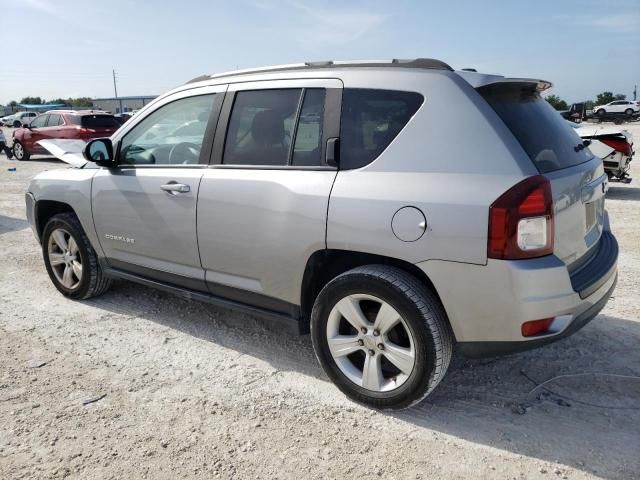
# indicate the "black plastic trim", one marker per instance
pixel 280 320
pixel 165 277
pixel 494 349
pixel 254 299
pixel 595 273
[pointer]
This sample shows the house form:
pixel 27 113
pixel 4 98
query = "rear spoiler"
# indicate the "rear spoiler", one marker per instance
pixel 477 80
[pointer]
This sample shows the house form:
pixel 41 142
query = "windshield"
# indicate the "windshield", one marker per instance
pixel 547 138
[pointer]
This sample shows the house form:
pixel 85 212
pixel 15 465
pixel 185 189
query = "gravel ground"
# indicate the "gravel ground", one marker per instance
pixel 192 391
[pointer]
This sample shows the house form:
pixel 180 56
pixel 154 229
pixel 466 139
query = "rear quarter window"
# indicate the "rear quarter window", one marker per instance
pixel 547 138
pixel 370 120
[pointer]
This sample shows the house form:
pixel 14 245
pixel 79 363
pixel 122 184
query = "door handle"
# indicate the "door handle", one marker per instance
pixel 173 188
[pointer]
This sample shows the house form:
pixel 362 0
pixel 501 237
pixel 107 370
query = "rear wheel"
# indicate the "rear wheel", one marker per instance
pixel 19 152
pixel 381 336
pixel 70 259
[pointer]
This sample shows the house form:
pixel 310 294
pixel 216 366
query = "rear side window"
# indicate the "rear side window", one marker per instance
pixel 95 121
pixel 261 127
pixel 371 119
pixel 547 138
pixel 54 120
pixel 40 121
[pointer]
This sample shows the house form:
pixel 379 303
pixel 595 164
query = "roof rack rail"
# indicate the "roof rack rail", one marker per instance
pixel 424 63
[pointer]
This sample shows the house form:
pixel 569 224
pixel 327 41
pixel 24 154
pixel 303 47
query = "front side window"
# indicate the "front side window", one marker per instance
pixel 261 127
pixel 171 135
pixel 371 119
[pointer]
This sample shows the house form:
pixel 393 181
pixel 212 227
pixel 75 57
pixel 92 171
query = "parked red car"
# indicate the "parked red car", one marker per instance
pixel 68 124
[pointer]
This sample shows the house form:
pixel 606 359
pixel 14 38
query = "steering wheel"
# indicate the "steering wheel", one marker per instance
pixel 184 153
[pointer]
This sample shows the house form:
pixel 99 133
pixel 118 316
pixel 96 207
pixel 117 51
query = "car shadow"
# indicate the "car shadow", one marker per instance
pixel 587 423
pixel 623 193
pixel 10 224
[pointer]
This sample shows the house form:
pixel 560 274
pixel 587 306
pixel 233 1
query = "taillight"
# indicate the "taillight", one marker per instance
pixel 618 144
pixel 521 221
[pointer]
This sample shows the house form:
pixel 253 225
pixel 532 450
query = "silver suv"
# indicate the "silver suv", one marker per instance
pixel 395 210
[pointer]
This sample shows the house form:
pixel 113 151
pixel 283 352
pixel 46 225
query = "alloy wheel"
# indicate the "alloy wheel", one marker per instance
pixel 18 151
pixel 370 342
pixel 64 257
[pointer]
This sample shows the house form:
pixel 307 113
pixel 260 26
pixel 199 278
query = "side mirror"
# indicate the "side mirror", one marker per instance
pixel 100 151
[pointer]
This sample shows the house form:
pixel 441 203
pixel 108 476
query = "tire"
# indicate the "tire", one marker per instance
pixel 19 151
pixel 628 112
pixel 601 112
pixel 422 331
pixel 17 124
pixel 89 281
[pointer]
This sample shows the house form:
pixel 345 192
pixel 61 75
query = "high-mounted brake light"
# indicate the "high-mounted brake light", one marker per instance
pixel 521 221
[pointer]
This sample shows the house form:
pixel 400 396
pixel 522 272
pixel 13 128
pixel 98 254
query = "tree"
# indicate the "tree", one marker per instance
pixel 84 102
pixel 31 101
pixel 61 101
pixel 608 97
pixel 556 102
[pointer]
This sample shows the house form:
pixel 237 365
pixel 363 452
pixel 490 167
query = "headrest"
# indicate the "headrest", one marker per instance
pixel 267 128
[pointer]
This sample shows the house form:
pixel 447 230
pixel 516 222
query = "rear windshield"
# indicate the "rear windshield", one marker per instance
pixel 95 121
pixel 547 138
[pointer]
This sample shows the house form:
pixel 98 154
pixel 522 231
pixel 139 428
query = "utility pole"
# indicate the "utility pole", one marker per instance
pixel 635 92
pixel 115 89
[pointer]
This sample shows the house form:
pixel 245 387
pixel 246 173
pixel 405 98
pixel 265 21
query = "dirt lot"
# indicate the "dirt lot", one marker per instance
pixel 201 392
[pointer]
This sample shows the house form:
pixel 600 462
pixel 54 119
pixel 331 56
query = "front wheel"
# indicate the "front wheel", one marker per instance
pixel 19 152
pixel 17 124
pixel 381 336
pixel 70 259
pixel 601 112
pixel 628 112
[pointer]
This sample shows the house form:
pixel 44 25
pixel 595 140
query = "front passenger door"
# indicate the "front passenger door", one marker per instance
pixel 145 209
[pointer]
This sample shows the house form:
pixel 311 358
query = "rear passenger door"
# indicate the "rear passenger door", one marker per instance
pixel 262 205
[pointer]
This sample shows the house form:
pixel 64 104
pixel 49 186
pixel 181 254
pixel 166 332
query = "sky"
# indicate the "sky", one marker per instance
pixel 65 48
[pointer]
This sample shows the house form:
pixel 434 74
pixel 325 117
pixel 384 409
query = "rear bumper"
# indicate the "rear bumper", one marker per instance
pixel 490 349
pixel 487 305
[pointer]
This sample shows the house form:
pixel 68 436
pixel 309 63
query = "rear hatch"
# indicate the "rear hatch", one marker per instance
pixel 578 180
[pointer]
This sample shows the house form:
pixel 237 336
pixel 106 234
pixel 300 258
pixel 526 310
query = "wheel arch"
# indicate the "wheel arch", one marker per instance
pixel 324 265
pixel 45 209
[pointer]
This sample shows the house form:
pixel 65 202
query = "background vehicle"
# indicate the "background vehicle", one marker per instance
pixel 626 107
pixel 61 124
pixel 324 205
pixel 18 119
pixel 576 113
pixel 613 144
